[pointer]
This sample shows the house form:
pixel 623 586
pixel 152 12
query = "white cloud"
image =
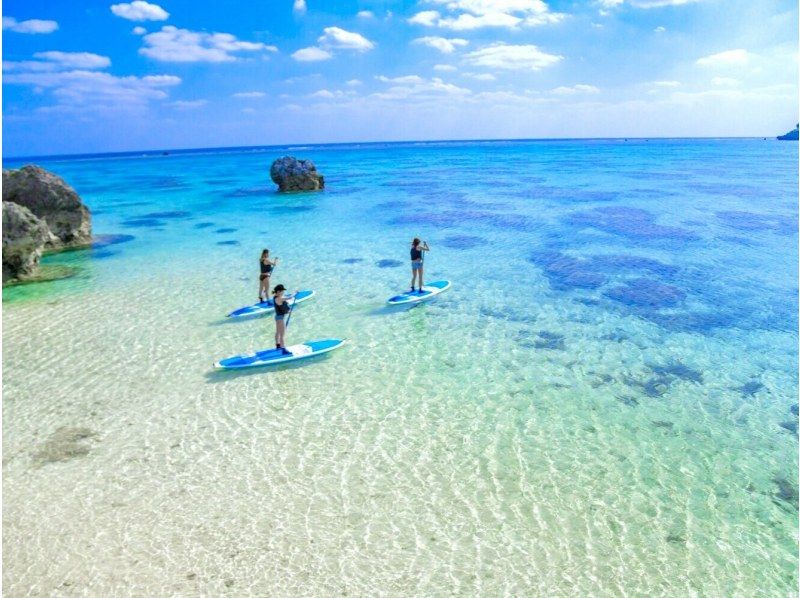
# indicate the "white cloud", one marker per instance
pixel 444 67
pixel 322 93
pixel 75 60
pixel 476 14
pixel 725 82
pixel 481 76
pixel 29 26
pixel 89 91
pixel 660 29
pixel 340 39
pixel 299 7
pixel 659 3
pixel 426 18
pixel 512 57
pixel 249 94
pixel 311 54
pixel 575 89
pixel 354 82
pixel 365 14
pixel 188 104
pixel 736 57
pixel 443 44
pixel 415 86
pixel 59 61
pixel 667 83
pixel 182 45
pixel 138 10
pixel 138 30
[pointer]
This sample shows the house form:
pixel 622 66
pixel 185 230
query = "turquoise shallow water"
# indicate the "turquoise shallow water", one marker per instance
pixel 601 405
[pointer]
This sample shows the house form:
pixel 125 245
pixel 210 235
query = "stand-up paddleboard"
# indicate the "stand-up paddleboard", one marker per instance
pixel 277 356
pixel 429 290
pixel 266 307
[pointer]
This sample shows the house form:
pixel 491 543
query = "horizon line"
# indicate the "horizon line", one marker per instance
pixel 186 150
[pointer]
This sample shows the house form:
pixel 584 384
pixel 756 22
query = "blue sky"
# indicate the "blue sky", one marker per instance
pixel 104 76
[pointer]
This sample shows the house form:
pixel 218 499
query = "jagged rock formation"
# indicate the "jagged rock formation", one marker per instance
pixel 291 174
pixel 792 135
pixel 52 200
pixel 24 238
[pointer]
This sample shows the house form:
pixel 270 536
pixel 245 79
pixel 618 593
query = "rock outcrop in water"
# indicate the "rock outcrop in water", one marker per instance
pixel 52 200
pixel 792 135
pixel 291 174
pixel 24 238
pixel 40 212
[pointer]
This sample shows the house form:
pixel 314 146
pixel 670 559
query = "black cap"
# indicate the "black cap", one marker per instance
pixel 279 288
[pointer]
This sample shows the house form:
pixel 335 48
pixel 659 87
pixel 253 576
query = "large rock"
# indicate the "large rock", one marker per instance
pixel 792 135
pixel 291 174
pixel 52 200
pixel 24 238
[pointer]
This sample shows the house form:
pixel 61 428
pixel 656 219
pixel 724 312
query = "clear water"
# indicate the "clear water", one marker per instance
pixel 599 406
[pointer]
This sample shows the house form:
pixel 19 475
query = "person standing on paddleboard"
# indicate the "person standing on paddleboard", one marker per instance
pixel 282 308
pixel 266 265
pixel 417 259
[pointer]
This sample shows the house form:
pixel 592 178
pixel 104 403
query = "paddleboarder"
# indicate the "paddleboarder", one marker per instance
pixel 417 260
pixel 282 309
pixel 267 266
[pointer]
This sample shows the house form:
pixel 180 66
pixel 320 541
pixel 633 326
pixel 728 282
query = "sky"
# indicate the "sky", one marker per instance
pixel 88 77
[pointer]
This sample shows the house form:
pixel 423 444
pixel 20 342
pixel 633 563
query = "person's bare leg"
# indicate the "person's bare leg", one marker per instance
pixel 420 278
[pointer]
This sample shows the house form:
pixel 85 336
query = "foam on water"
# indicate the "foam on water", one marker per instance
pixel 523 433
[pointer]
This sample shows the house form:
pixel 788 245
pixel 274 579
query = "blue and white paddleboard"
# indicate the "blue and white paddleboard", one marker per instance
pixel 429 290
pixel 277 356
pixel 268 306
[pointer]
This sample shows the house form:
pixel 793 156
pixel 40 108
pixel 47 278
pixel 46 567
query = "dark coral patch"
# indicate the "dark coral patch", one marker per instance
pixel 749 221
pixel 249 192
pixel 105 240
pixel 290 209
pixel 787 491
pixel 352 260
pixel 749 389
pixel 679 370
pixel 388 263
pixel 628 222
pixel 142 223
pixel 646 293
pixel 549 340
pixel 565 272
pixel 170 214
pixel 227 242
pixel 790 426
pixel 623 262
pixel 222 231
pixel 204 224
pixel 463 241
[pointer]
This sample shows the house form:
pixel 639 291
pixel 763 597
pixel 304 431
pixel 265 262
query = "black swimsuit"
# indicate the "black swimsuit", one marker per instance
pixel 416 254
pixel 266 269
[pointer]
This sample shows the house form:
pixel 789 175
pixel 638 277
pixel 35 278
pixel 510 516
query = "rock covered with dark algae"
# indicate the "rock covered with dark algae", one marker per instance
pixel 51 199
pixel 24 238
pixel 40 212
pixel 291 174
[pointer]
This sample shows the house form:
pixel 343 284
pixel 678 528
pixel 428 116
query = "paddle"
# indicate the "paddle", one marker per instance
pixel 291 308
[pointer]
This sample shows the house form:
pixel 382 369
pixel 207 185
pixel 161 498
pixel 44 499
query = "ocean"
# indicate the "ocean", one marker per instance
pixel 604 403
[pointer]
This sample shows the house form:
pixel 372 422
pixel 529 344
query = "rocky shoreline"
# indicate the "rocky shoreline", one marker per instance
pixel 41 213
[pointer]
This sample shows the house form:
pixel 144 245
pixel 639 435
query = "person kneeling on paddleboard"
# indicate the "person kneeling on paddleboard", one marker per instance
pixel 266 265
pixel 282 308
pixel 417 259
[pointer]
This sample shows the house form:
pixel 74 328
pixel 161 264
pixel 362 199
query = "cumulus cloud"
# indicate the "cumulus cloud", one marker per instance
pixel 443 44
pixel 139 10
pixel 341 39
pixel 408 86
pixel 188 104
pixel 575 89
pixel 725 82
pixel 727 58
pixel 88 91
pixel 365 14
pixel 667 83
pixel 249 94
pixel 138 30
pixel 512 57
pixel 299 7
pixel 660 29
pixel 444 67
pixel 29 26
pixel 182 45
pixel 354 82
pixel 481 76
pixel 465 15
pixel 312 54
pixel 58 61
